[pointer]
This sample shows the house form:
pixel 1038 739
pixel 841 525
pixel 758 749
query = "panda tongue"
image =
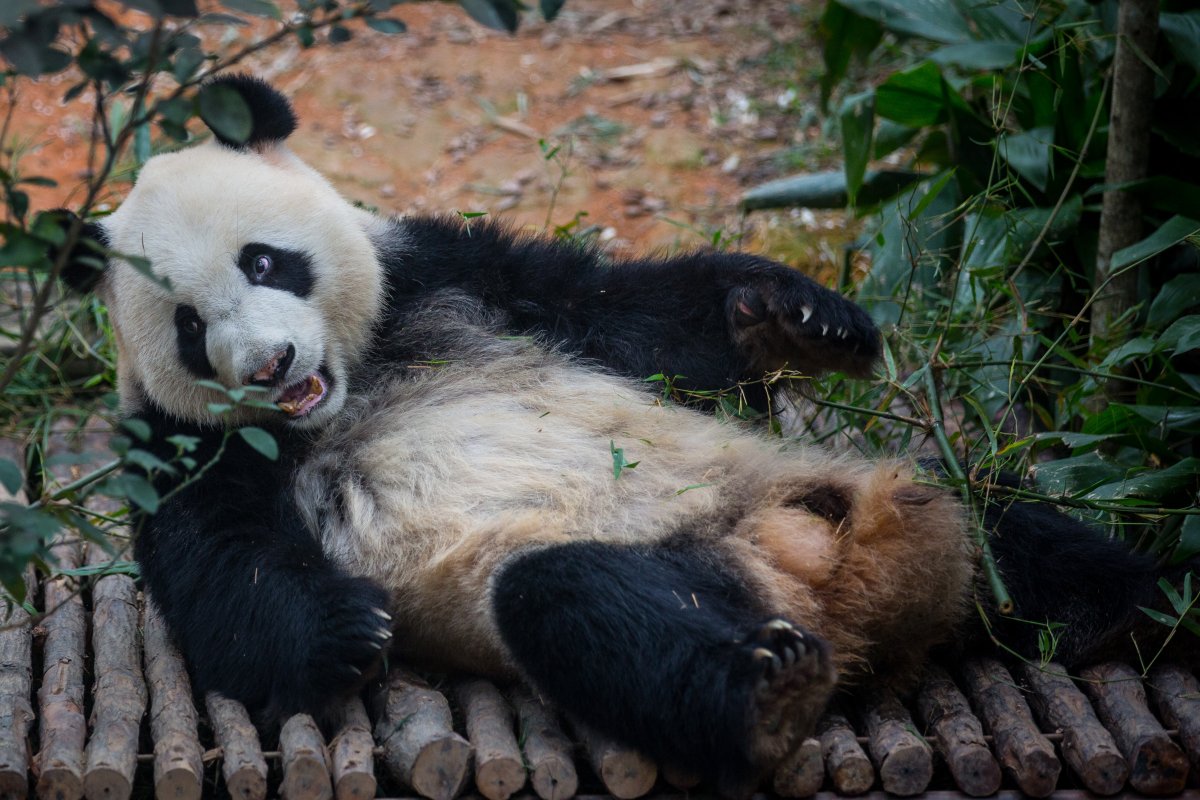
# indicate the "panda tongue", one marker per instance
pixel 300 398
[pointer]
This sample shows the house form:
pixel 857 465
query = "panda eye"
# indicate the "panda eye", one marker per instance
pixel 262 265
pixel 188 321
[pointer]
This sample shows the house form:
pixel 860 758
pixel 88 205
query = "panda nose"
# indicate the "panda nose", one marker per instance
pixel 271 373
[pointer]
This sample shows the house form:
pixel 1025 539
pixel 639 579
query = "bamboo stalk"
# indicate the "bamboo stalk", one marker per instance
pixel 1176 694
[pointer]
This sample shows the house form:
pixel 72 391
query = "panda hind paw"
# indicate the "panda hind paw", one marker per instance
pixel 794 678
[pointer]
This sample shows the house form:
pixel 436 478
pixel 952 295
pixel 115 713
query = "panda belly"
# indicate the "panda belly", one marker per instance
pixel 437 482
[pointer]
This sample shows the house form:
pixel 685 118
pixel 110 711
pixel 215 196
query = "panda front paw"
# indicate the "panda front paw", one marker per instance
pixel 782 319
pixel 348 646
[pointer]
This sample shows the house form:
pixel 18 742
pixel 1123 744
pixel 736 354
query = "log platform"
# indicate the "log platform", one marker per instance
pixel 95 703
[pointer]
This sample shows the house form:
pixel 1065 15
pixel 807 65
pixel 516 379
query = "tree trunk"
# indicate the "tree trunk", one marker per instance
pixel 1126 160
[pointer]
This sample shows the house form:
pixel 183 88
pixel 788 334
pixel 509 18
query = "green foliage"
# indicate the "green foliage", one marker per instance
pixel 148 84
pixel 985 266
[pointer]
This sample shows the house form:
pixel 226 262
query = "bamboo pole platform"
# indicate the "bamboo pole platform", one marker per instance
pixel 95 703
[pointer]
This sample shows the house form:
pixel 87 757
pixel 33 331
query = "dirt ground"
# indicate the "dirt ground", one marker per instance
pixel 658 114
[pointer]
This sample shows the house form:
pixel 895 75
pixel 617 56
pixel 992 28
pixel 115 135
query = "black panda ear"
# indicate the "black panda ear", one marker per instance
pixel 271 116
pixel 86 263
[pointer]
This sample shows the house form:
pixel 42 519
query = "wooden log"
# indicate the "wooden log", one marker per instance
pixel 679 777
pixel 178 764
pixel 959 734
pixel 1024 752
pixel 119 689
pixel 802 772
pixel 60 698
pixel 242 762
pixel 499 771
pixel 1156 764
pixel 1176 695
pixel 625 772
pixel 847 764
pixel 904 759
pixel 420 746
pixel 1087 747
pixel 352 750
pixel 305 761
pixel 16 681
pixel 548 751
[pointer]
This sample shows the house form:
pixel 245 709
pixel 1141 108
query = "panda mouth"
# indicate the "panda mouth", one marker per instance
pixel 302 397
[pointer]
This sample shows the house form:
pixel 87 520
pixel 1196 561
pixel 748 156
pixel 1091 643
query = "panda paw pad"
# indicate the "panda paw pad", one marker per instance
pixel 794 678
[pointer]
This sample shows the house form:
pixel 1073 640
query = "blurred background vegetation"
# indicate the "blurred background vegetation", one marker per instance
pixel 962 168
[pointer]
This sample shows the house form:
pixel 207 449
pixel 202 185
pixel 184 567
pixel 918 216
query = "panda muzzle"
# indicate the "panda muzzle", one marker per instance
pixel 300 398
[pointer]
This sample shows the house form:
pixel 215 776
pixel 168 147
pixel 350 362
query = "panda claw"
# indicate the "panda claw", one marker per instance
pixel 382 614
pixel 805 313
pixel 824 330
pixel 779 625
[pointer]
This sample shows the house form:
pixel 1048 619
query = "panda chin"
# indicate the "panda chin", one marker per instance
pixel 299 399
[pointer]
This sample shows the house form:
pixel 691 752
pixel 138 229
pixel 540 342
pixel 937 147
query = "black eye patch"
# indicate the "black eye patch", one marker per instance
pixel 276 268
pixel 190 337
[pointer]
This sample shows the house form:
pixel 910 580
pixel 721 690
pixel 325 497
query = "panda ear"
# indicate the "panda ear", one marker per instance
pixel 271 116
pixel 86 263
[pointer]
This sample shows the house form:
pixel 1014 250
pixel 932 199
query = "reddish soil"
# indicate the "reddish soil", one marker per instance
pixel 662 113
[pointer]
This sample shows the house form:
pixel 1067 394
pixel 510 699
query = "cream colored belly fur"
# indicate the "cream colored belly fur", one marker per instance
pixel 437 479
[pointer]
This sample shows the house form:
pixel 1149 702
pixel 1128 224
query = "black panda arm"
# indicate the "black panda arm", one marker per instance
pixel 713 318
pixel 259 612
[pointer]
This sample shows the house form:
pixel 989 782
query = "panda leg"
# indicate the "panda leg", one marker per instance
pixel 663 648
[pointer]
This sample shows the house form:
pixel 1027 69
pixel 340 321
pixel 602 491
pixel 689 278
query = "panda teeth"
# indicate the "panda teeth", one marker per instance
pixel 303 397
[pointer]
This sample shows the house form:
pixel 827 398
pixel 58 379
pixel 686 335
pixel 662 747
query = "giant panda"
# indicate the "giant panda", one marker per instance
pixel 473 476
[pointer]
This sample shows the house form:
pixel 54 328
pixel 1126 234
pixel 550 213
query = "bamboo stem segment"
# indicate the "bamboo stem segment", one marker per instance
pixel 420 746
pixel 178 759
pixel 547 750
pixel 904 759
pixel 499 771
pixel 242 762
pixel 959 734
pixel 353 757
pixel 305 761
pixel 847 764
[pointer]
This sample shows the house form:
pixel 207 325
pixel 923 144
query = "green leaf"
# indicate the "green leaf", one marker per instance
pixel 1179 294
pixel 858 128
pixel 915 97
pixel 258 8
pixel 386 25
pixel 1189 540
pixel 225 111
pixel 1182 336
pixel 148 461
pixel 1029 153
pixel 10 476
pixel 619 462
pixel 1159 617
pixel 138 427
pixel 139 491
pixel 261 441
pixel 550 8
pixel 990 55
pixel 1070 476
pixel 1150 484
pixel 1170 233
pixel 1183 35
pixel 502 15
pixel 339 34
pixel 932 20
pixel 845 35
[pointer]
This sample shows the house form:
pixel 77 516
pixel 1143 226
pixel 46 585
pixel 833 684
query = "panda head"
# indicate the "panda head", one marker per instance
pixel 271 278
